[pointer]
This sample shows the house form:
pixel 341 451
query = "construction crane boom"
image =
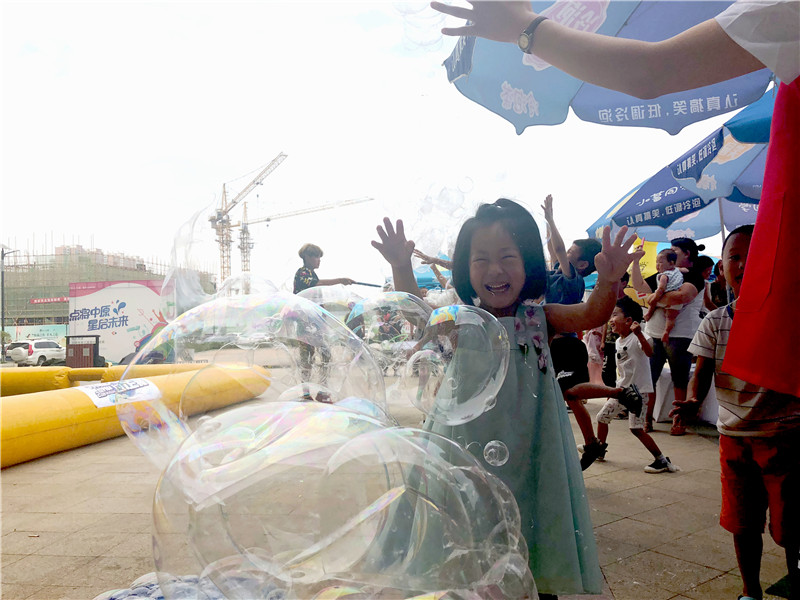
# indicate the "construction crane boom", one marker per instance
pixel 221 221
pixel 311 209
pixel 246 244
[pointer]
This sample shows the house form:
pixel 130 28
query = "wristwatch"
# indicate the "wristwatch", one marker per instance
pixel 525 41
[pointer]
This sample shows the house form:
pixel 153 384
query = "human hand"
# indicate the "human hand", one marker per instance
pixel 498 21
pixel 685 409
pixel 636 329
pixel 547 207
pixel 426 259
pixel 346 281
pixel 393 245
pixel 638 253
pixel 613 259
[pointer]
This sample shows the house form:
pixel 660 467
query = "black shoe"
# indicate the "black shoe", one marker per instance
pixel 632 399
pixel 591 452
pixel 661 465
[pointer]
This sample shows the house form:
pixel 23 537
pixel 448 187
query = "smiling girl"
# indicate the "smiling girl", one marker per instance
pixel 499 265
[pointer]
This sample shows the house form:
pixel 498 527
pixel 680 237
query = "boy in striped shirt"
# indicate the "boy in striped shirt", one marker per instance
pixel 759 442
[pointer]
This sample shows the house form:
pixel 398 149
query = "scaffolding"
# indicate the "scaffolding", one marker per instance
pixel 36 284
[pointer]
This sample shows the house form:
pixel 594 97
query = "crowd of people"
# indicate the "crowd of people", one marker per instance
pixel 499 264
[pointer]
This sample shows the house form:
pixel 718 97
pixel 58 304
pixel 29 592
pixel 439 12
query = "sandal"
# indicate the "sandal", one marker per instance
pixel 678 429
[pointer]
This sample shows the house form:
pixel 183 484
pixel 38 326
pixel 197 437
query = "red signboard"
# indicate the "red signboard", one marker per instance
pixel 49 300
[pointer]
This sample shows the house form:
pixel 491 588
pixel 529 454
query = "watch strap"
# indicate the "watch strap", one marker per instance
pixel 528 33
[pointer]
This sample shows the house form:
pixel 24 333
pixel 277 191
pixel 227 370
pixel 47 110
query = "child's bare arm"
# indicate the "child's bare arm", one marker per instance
pixel 439 277
pixel 643 341
pixel 610 263
pixel 637 281
pixel 555 244
pixel 397 251
pixel 699 385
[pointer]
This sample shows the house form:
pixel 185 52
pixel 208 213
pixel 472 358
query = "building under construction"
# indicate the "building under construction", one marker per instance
pixel 37 285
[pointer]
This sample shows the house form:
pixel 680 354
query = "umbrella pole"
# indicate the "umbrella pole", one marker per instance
pixel 721 221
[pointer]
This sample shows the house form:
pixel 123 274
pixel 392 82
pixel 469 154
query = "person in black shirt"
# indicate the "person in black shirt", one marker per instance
pixel 306 275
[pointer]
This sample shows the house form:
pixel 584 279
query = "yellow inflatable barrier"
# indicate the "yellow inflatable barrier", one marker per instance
pixel 115 373
pixel 82 374
pixel 22 380
pixel 42 423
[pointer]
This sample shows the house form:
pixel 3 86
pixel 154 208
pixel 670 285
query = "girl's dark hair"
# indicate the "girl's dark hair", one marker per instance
pixel 689 246
pixel 743 229
pixel 520 225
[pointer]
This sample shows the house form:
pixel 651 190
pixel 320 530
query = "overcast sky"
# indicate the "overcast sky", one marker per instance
pixel 122 120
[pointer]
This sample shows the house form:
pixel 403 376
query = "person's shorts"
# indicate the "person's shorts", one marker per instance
pixel 570 361
pixel 612 408
pixel 676 352
pixel 759 473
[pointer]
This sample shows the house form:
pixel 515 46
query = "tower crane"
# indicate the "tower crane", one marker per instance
pixel 245 245
pixel 221 220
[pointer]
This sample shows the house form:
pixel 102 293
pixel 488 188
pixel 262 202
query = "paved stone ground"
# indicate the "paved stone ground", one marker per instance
pixel 77 524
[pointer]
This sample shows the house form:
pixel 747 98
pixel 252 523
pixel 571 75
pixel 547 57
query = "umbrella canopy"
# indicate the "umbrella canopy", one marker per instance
pixel 678 201
pixel 527 91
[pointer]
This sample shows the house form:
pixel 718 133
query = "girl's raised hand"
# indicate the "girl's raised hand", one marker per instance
pixel 393 245
pixel 614 258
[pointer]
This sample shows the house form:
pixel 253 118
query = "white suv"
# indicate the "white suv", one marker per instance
pixel 35 352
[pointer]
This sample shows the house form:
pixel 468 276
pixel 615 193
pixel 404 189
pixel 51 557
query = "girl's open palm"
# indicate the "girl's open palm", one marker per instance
pixel 393 245
pixel 614 258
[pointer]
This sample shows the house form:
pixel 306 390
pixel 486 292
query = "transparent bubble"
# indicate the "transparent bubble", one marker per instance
pixel 391 325
pixel 338 300
pixel 239 349
pixel 421 25
pixel 290 499
pixel 194 262
pixel 434 219
pixel 495 453
pixel 462 363
pixel 244 284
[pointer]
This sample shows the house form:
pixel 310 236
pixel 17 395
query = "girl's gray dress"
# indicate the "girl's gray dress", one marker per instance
pixel 542 470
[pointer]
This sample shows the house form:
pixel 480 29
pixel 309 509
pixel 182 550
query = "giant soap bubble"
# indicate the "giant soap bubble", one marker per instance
pixel 460 366
pixel 283 475
pixel 391 324
pixel 336 299
pixel 236 349
pixel 298 500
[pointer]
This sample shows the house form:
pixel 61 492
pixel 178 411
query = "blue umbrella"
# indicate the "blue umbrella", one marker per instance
pixel 677 201
pixel 526 91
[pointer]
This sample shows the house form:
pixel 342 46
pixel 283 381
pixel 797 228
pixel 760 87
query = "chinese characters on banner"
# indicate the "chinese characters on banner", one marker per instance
pixel 711 105
pixel 99 317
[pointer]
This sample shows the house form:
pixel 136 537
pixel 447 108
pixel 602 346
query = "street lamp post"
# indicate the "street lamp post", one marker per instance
pixel 3 254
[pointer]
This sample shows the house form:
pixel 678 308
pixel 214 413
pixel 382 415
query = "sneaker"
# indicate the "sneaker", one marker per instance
pixel 661 465
pixel 592 452
pixel 632 399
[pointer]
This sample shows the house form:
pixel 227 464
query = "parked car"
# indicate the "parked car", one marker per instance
pixel 35 352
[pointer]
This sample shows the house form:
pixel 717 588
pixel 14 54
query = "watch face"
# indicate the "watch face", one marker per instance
pixel 523 41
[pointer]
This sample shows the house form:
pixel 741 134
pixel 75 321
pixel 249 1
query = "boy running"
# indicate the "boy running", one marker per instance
pixel 632 350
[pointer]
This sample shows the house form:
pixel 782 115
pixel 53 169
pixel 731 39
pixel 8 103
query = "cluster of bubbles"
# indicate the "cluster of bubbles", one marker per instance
pixel 421 25
pixel 285 475
pixel 441 208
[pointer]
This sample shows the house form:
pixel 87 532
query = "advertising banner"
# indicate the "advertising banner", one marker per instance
pixel 125 314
